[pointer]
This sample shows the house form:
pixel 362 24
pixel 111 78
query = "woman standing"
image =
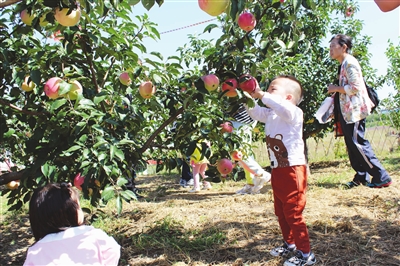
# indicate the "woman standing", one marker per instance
pixel 351 98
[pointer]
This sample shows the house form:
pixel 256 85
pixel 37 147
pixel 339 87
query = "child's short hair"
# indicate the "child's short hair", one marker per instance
pixel 293 87
pixel 53 208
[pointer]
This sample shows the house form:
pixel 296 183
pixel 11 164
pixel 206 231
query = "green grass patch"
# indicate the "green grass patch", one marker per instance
pixel 169 233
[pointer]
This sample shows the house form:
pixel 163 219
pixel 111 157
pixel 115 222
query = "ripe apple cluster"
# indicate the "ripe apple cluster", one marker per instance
pixel 146 88
pixel 60 14
pixel 52 87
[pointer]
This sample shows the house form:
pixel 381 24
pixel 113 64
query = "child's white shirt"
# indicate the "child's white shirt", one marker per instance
pixel 81 245
pixel 283 129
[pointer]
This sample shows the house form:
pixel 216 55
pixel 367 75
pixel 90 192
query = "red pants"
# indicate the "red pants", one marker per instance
pixel 289 185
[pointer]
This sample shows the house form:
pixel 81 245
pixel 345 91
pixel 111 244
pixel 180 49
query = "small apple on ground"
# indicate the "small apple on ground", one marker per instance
pixel 247 21
pixel 247 83
pixel 75 90
pixel 125 79
pixel 13 185
pixel 213 7
pixel 230 86
pixel 28 85
pixel 51 88
pixel 237 155
pixel 224 166
pixel 67 20
pixel 78 181
pixel 211 82
pixel 147 89
pixel 226 127
pixel 26 17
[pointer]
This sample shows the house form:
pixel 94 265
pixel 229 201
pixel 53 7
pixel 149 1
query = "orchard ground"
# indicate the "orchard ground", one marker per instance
pixel 170 226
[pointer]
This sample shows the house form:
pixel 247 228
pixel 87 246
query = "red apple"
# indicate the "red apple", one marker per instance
pixel 213 7
pixel 27 85
pixel 51 88
pixel 247 21
pixel 125 79
pixel 247 83
pixel 211 82
pixel 230 86
pixel 75 90
pixel 26 17
pixel 67 20
pixel 78 181
pixel 226 127
pixel 146 89
pixel 13 185
pixel 224 166
pixel 349 11
pixel 237 155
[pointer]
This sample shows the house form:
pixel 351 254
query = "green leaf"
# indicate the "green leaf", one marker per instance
pixel 119 204
pixel 108 193
pixel 64 88
pixel 36 76
pixel 157 78
pixel 148 4
pixel 133 2
pixel 57 104
pixel 98 99
pixel 74 148
pixel 122 181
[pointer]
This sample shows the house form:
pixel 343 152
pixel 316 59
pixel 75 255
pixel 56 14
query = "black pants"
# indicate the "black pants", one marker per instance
pixel 186 173
pixel 362 157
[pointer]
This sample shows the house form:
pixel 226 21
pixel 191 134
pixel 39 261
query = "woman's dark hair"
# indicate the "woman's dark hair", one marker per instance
pixel 342 40
pixel 53 208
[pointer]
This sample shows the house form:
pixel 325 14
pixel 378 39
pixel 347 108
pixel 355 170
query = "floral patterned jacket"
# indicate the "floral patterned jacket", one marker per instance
pixel 355 104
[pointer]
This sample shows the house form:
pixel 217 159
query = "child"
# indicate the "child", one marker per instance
pixel 199 166
pixel 255 175
pixel 284 131
pixel 56 220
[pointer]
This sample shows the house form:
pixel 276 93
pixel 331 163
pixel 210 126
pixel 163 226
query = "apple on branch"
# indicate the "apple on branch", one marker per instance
pixel 28 85
pixel 224 166
pixel 247 83
pixel 226 127
pixel 213 7
pixel 247 21
pixel 26 17
pixel 66 19
pixel 75 91
pixel 51 87
pixel 147 89
pixel 211 82
pixel 230 86
pixel 125 79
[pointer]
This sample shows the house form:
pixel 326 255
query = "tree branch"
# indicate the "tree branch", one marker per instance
pixel 3 102
pixel 12 176
pixel 4 3
pixel 163 125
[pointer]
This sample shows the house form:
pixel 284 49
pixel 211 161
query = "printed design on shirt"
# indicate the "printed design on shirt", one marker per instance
pixel 277 151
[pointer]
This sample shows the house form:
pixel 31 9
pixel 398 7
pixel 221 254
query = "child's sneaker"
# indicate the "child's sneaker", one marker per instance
pixel 245 190
pixel 194 190
pixel 300 260
pixel 282 251
pixel 260 181
pixel 206 185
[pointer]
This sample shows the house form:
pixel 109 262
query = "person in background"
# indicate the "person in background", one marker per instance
pixel 256 177
pixel 351 98
pixel 284 134
pixel 186 175
pixel 387 5
pixel 57 224
pixel 199 165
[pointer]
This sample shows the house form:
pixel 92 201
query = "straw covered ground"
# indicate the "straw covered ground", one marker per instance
pixel 170 226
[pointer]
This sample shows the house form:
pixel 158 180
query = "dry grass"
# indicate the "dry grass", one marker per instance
pixel 173 227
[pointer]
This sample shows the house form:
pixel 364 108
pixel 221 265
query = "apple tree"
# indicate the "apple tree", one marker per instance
pixel 109 130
